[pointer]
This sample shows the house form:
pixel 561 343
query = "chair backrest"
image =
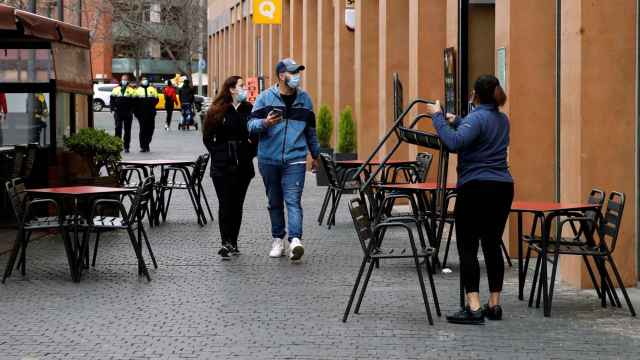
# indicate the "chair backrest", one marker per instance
pixel 19 154
pixel 29 160
pixel 423 164
pixel 361 223
pixel 142 198
pixel 200 170
pixel 330 169
pixel 597 197
pixel 17 195
pixel 609 226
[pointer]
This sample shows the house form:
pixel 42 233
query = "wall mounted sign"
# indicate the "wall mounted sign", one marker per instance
pixel 501 67
pixel 267 12
pixel 449 80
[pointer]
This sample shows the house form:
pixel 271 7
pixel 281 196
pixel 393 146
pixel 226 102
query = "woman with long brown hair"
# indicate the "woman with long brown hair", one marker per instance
pixel 226 137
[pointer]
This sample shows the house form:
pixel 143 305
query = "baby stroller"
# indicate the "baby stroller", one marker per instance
pixel 188 117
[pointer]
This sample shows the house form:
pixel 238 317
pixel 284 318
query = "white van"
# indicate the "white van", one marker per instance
pixel 102 95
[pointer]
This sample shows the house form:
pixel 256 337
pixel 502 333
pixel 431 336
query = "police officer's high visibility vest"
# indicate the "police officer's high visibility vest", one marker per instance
pixel 147 98
pixel 122 100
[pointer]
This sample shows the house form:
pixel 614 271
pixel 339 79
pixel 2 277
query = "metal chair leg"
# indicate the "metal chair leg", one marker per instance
pixel 95 249
pixel 325 203
pixel 146 240
pixel 364 288
pixel 135 243
pixel 17 244
pixel 506 254
pixel 554 270
pixel 534 282
pixel 621 285
pixel 355 289
pixel 433 288
pixel 422 289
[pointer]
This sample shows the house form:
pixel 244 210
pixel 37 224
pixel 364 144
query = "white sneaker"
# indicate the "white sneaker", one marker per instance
pixel 296 250
pixel 277 248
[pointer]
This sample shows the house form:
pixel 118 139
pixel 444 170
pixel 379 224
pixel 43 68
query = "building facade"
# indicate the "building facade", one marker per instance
pixel 569 69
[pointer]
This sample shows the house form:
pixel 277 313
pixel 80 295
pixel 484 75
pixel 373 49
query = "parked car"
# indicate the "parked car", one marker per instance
pixel 102 96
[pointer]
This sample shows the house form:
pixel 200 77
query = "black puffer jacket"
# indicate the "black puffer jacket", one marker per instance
pixel 229 145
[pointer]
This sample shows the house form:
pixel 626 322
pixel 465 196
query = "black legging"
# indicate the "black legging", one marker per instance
pixel 169 110
pixel 482 208
pixel 231 189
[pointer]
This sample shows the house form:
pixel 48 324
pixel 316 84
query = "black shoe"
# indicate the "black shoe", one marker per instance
pixel 467 317
pixel 492 313
pixel 234 250
pixel 224 251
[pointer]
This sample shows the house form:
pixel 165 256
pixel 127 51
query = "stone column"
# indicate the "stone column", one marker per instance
pixel 366 76
pixel 427 40
pixel 394 58
pixel 344 51
pixel 310 48
pixel 295 29
pixel 325 62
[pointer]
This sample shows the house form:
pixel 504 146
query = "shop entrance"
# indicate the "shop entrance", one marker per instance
pixel 476 44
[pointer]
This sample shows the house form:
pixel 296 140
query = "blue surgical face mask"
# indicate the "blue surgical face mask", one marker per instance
pixel 294 81
pixel 241 95
pixel 124 83
pixel 145 83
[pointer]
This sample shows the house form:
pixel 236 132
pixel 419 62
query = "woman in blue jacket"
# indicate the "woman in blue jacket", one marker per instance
pixel 485 192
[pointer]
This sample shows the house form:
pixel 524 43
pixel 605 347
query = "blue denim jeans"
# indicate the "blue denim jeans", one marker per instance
pixel 284 184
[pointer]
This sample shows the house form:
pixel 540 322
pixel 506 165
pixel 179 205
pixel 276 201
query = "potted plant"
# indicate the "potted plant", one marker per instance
pixel 96 149
pixel 324 130
pixel 346 136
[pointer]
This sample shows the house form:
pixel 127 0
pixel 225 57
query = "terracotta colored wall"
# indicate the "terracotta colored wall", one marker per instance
pixel 344 51
pixel 598 120
pixel 310 48
pixel 325 55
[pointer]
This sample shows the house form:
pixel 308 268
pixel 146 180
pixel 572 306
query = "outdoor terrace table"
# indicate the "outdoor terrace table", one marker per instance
pixel 354 164
pixel 148 167
pixel 547 211
pixel 74 250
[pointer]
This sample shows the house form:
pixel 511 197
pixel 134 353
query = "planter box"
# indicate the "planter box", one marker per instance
pixel 321 175
pixel 346 156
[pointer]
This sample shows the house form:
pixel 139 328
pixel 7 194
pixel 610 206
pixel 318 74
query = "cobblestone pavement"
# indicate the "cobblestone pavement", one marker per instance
pixel 254 307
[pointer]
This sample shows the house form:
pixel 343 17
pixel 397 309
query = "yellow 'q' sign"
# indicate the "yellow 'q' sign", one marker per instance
pixel 267 11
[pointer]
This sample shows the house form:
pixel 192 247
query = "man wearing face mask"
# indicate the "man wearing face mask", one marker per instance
pixel 283 119
pixel 147 98
pixel 121 104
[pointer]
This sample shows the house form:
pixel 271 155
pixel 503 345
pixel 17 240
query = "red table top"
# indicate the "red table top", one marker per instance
pixel 426 186
pixel 80 190
pixel 156 162
pixel 374 163
pixel 548 206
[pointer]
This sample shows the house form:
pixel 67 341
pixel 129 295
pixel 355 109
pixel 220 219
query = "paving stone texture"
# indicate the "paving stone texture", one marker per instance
pixel 255 307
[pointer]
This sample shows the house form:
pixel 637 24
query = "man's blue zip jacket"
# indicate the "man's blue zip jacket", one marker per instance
pixel 288 140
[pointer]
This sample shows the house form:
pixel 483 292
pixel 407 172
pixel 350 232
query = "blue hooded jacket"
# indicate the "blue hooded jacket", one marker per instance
pixel 289 140
pixel 481 140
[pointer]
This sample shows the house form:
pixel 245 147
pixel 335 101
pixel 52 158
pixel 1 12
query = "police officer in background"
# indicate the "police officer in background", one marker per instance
pixel 147 98
pixel 121 103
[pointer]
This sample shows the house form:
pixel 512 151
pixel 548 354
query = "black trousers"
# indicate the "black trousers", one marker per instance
pixel 231 188
pixel 123 122
pixel 169 110
pixel 482 209
pixel 147 126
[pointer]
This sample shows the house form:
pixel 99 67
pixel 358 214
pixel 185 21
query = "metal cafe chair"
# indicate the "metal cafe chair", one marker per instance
pixel 191 182
pixel 371 242
pixel 338 185
pixel 597 197
pixel 129 221
pixel 199 175
pixel 28 221
pixel 599 244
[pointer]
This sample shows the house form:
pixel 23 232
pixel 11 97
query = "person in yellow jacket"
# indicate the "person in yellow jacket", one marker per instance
pixel 121 104
pixel 146 97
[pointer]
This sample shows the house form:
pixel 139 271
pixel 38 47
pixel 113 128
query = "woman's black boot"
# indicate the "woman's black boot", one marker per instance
pixel 492 312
